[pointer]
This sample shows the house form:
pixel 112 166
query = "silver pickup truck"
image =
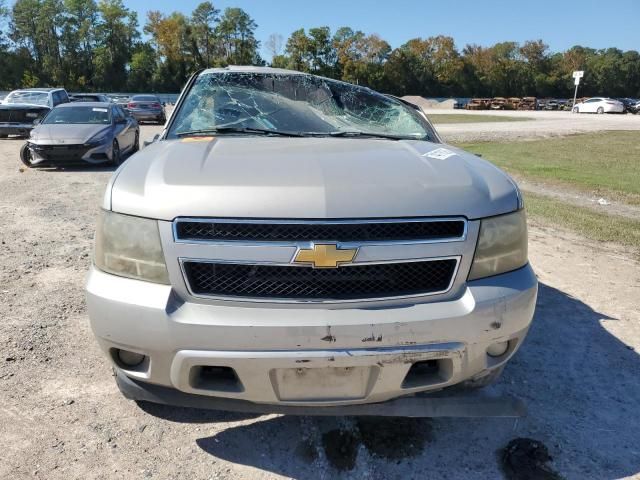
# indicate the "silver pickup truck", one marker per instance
pixel 296 242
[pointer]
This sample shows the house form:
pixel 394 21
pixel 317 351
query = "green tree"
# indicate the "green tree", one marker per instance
pixel 204 20
pixel 116 32
pixel 78 42
pixel 237 43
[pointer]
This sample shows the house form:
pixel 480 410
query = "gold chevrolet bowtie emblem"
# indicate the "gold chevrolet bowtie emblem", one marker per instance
pixel 325 255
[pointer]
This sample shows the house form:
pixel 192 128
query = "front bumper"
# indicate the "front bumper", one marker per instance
pixel 143 115
pixel 59 154
pixel 21 129
pixel 309 357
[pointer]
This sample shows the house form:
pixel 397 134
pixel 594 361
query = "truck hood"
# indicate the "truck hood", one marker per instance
pixel 312 178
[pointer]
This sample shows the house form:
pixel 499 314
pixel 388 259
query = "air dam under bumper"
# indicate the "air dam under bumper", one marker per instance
pixel 296 356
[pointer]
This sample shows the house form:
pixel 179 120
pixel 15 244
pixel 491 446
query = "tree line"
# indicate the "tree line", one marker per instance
pixel 101 46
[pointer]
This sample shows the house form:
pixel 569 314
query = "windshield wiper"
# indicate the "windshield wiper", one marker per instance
pixel 223 130
pixel 365 135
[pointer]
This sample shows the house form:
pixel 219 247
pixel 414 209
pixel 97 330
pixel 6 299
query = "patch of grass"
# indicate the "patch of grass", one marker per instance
pixel 442 118
pixel 607 163
pixel 594 225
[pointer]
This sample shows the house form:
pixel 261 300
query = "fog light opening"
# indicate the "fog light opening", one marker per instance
pixel 130 359
pixel 497 349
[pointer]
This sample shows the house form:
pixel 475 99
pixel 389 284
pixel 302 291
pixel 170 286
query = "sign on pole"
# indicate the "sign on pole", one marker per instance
pixel 577 75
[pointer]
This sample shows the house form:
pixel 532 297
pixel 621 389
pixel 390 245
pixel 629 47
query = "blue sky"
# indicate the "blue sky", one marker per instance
pixel 560 23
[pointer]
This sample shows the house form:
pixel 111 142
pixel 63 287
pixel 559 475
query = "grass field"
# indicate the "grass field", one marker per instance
pixel 589 223
pixel 442 118
pixel 607 163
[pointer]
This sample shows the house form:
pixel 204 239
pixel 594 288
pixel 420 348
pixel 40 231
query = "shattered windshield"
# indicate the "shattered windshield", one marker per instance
pixel 293 104
pixel 33 98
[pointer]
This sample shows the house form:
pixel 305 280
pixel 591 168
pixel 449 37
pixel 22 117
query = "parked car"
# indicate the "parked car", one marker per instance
pixel 528 103
pixel 551 104
pixel 121 100
pixel 478 104
pixel 147 107
pixel 87 132
pixel 498 103
pixel 89 97
pixel 21 109
pixel 635 108
pixel 512 103
pixel 293 242
pixel 627 103
pixel 599 105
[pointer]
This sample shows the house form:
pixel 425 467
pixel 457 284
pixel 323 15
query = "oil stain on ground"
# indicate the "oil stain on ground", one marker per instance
pixel 388 438
pixel 527 459
pixel 394 438
pixel 341 448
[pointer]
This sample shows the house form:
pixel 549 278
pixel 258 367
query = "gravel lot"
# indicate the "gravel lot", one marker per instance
pixel 546 124
pixel 61 416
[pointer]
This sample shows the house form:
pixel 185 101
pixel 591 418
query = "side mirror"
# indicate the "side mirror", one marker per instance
pixel 146 143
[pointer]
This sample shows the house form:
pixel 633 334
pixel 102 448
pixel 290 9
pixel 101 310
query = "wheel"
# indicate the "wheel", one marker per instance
pixel 576 110
pixel 25 155
pixel 3 135
pixel 600 110
pixel 116 155
pixel 162 120
pixel 136 143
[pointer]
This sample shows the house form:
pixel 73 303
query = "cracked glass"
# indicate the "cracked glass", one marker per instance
pixel 292 104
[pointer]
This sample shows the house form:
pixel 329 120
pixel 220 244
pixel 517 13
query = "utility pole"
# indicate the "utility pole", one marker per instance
pixel 577 75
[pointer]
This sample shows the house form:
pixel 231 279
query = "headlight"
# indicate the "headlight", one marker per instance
pixel 502 245
pixel 99 139
pixel 130 247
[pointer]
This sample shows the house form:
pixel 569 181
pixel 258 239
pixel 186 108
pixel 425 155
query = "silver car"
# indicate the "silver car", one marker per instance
pixel 297 244
pixel 147 108
pixel 83 132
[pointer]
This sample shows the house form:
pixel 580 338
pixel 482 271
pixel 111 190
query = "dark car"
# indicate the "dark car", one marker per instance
pixel 552 105
pixel 89 97
pixel 91 132
pixel 147 108
pixel 629 104
pixel 22 109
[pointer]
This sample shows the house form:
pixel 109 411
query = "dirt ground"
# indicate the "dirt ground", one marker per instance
pixel 62 417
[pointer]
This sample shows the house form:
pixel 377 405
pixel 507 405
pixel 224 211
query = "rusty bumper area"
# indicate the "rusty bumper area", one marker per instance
pixel 439 404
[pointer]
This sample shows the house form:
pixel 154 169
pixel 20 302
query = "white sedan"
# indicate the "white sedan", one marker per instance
pixel 599 105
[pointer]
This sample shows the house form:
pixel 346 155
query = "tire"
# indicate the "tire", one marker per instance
pixel 600 111
pixel 116 155
pixel 576 110
pixel 162 120
pixel 3 135
pixel 25 156
pixel 136 143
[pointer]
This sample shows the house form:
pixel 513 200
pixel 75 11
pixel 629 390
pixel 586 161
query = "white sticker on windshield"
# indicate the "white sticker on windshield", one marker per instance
pixel 100 110
pixel 439 154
